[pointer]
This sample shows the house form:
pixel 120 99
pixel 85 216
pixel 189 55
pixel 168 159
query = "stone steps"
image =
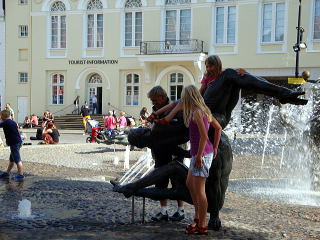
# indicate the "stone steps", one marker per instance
pixel 73 122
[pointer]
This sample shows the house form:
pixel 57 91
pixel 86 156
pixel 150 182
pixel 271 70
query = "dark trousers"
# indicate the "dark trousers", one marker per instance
pixel 94 108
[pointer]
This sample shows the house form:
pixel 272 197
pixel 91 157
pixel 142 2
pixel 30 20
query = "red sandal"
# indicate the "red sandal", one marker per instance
pixel 202 231
pixel 192 227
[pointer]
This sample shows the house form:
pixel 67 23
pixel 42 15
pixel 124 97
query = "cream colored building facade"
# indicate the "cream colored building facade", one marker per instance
pixel 120 49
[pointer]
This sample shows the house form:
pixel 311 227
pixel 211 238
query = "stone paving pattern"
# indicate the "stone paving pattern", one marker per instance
pixel 71 198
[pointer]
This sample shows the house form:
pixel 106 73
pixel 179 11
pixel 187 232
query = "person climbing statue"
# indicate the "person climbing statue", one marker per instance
pixel 221 96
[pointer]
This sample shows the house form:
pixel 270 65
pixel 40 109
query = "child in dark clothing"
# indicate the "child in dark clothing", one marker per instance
pixel 13 140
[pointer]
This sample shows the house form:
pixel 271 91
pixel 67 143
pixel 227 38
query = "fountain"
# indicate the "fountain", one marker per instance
pixel 144 163
pixel 293 156
pixel 24 209
pixel 127 157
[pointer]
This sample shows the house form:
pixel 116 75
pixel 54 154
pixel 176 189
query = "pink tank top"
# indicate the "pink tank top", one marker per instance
pixel 194 136
pixel 123 121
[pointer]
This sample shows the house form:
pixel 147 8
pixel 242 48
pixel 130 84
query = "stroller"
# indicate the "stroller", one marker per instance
pixel 94 130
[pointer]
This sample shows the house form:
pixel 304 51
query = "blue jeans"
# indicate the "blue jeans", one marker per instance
pixel 15 153
pixel 94 108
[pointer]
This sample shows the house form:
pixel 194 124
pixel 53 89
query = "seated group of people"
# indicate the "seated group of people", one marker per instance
pixel 50 134
pixel 33 120
pixel 46 117
pixel 47 132
pixel 30 122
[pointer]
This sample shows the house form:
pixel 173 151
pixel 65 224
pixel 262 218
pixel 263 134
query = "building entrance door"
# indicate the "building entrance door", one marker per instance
pixel 22 108
pixel 95 88
pixel 99 97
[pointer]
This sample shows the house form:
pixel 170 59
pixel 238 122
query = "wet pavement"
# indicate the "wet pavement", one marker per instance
pixel 71 198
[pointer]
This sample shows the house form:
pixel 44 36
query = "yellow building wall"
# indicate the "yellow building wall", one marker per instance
pixel 33 55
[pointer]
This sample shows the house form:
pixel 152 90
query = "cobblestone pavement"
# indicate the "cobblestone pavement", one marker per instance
pixel 71 198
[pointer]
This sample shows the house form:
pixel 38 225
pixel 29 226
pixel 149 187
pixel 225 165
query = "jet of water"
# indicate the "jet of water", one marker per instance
pixel 116 160
pixel 267 134
pixel 127 157
pixel 24 209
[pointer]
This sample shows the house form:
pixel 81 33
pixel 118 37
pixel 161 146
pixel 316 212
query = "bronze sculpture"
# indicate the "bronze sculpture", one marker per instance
pixel 221 97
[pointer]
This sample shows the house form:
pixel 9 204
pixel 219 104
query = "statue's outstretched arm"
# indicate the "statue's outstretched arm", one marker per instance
pixel 260 85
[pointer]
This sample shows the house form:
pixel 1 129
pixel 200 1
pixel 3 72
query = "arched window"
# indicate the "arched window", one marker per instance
pixel 94 5
pixel 57 89
pixel 176 2
pixel 133 4
pixel 58 6
pixel 58 25
pixel 176 86
pixel 94 24
pixel 133 24
pixel 132 89
pixel 95 78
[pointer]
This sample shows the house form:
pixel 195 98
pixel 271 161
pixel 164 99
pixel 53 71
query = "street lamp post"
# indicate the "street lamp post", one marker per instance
pixel 299 44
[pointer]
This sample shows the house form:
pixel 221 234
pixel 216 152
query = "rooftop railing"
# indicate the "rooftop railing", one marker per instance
pixel 171 47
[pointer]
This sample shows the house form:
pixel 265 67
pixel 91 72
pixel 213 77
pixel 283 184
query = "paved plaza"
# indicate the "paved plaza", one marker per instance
pixel 68 186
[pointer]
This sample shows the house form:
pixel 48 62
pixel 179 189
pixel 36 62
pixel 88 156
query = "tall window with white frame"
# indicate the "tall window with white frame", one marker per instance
pixel 58 25
pixel 225 25
pixel 273 16
pixel 23 77
pixel 133 23
pixel 57 89
pixel 178 22
pixel 176 86
pixel 132 89
pixel 23 31
pixel 94 24
pixel 316 20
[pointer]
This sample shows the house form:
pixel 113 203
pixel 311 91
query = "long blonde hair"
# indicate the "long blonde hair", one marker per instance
pixel 191 101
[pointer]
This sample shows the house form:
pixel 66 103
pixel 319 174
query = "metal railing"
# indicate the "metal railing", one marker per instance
pixel 65 110
pixel 171 47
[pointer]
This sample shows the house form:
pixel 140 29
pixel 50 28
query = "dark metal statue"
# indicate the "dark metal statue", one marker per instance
pixel 221 97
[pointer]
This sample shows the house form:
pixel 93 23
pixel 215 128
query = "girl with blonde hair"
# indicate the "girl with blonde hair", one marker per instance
pixel 198 117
